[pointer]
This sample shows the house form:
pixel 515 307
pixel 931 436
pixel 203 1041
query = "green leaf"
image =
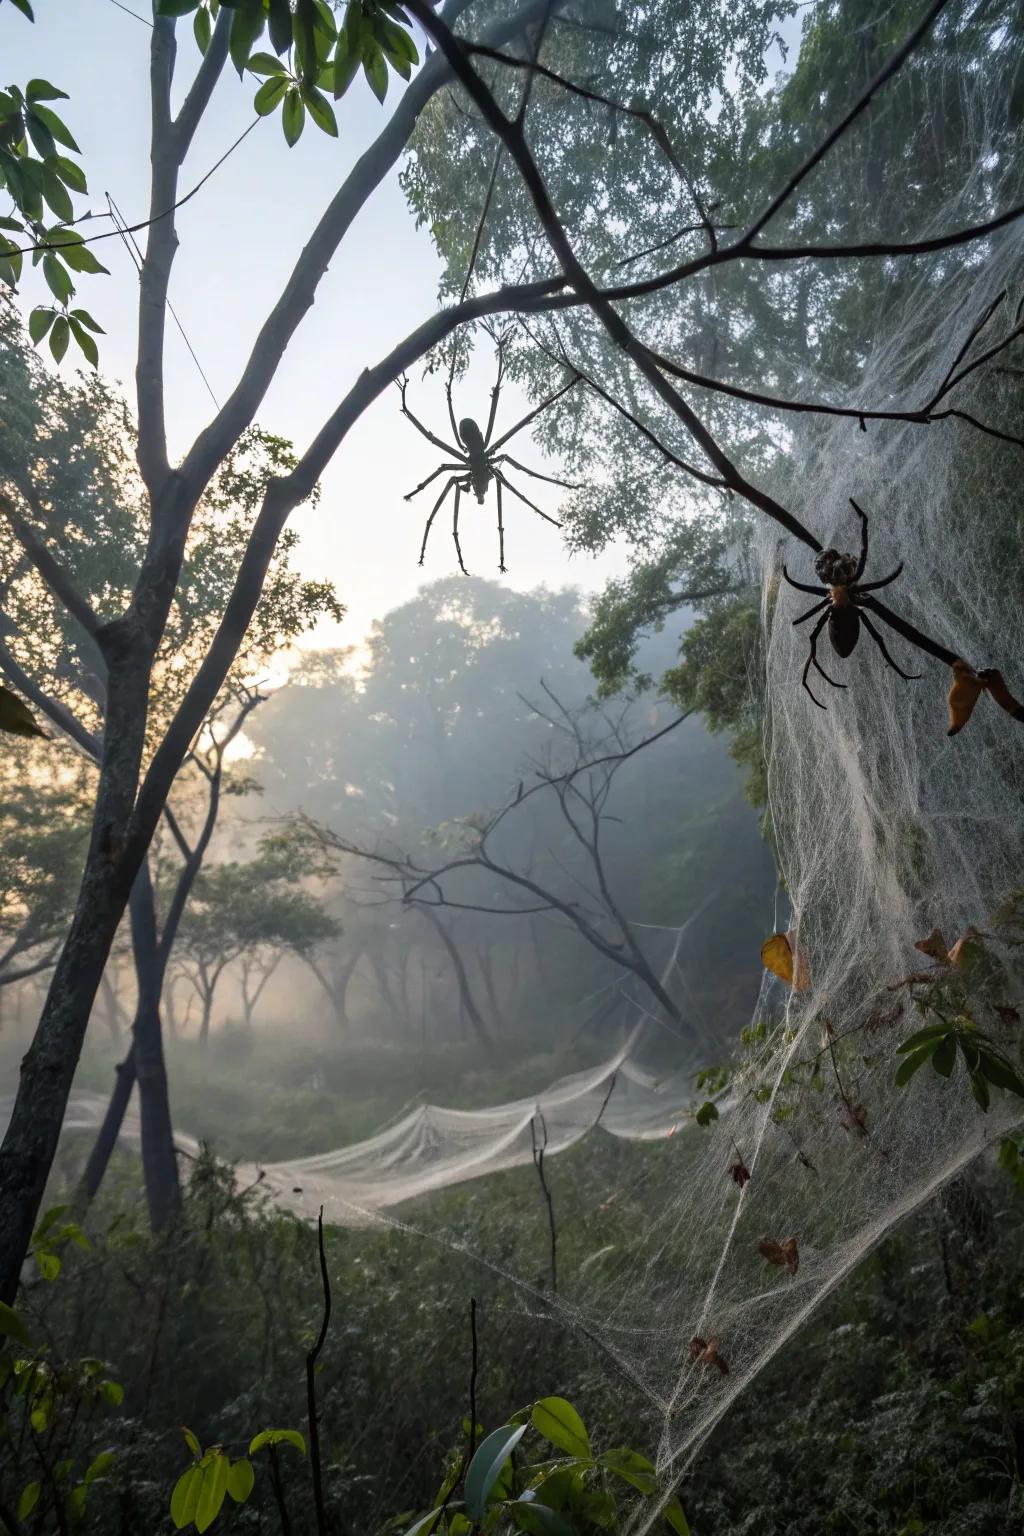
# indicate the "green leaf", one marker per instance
pixel 176 7
pixel 84 318
pixel 293 116
pixel 558 1421
pixel 631 1467
pixel 192 1442
pixel 211 1494
pixel 47 1262
pixel 706 1113
pixel 1001 1073
pixel 375 70
pixel 932 1032
pixel 266 64
pixel 24 7
pixel 944 1056
pixel 113 1392
pixel 979 1087
pixel 280 25
pixel 99 1466
pixel 185 1497
pixel 346 62
pixel 241 1480
pixel 673 1514
pixel 910 1064
pixel 277 1437
pixel 270 94
pixel 426 1523
pixel 81 259
pixel 56 195
pixel 246 26
pixel 70 173
pixel 11 1325
pixel 57 128
pixel 537 1519
pixel 42 90
pixel 28 1500
pixel 202 29
pixel 320 110
pixel 57 279
pixel 39 322
pixel 485 1468
pixel 85 342
pixel 42 138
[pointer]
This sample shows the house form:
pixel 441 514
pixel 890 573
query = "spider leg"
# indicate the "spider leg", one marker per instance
pixel 501 531
pixel 495 392
pixel 455 529
pixel 506 458
pixel 537 410
pixel 816 609
pixel 862 562
pixel 876 637
pixel 502 480
pixel 434 511
pixel 424 483
pixel 451 408
pixel 873 586
pixel 801 586
pixel 812 661
pixel 437 441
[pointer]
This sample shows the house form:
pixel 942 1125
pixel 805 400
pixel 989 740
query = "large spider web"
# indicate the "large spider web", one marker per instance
pixel 885 828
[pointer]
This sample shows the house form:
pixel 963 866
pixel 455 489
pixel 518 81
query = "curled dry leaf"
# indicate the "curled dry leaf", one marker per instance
pixel 781 955
pixel 962 948
pixel 705 1352
pixel 883 1018
pixel 740 1172
pixel 965 691
pixel 784 1254
pixel 934 946
pixel 854 1117
pixel 996 686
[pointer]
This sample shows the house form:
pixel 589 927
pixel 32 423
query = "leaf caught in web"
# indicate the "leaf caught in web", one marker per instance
pixel 739 1171
pixel 965 691
pixel 934 946
pixel 705 1352
pixel 783 1255
pixel 781 955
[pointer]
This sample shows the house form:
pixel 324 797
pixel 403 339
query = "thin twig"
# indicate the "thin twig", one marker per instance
pixel 538 1163
pixel 472 1378
pixel 311 1405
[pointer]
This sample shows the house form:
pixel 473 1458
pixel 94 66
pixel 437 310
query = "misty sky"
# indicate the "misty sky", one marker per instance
pixel 238 239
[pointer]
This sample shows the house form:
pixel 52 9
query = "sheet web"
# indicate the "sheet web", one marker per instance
pixel 885 828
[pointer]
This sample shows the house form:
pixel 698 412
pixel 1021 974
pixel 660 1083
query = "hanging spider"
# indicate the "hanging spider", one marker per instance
pixel 476 461
pixel 843 604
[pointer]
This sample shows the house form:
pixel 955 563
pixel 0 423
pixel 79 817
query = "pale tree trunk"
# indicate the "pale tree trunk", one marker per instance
pixel 466 997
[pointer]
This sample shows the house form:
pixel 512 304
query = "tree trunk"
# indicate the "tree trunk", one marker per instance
pixel 106 1140
pixel 465 993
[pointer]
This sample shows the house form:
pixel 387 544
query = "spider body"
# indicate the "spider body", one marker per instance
pixel 844 600
pixel 476 462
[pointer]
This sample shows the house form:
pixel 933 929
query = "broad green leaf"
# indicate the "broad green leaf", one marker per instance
pixel 28 1500
pixel 86 345
pixel 979 1087
pixel 192 1442
pixel 70 173
pixel 346 62
pixel 537 1519
pixel 43 140
pixel 375 70
pixel 266 64
pixel 426 1523
pixel 76 1503
pixel 270 94
pixel 293 116
pixel 48 1263
pixel 320 110
pixel 909 1065
pixel 57 279
pixel 241 1480
pixel 1001 1073
pixel 84 318
pixel 113 1392
pixel 277 1437
pixel 944 1056
pixel 81 259
pixel 211 1494
pixel 57 128
pixel 246 26
pixel 39 322
pixel 11 1325
pixel 99 1466
pixel 706 1114
pixel 56 195
pixel 673 1514
pixel 24 7
pixel 558 1421
pixel 631 1467
pixel 932 1032
pixel 185 1497
pixel 485 1468
pixel 202 29
pixel 176 7
pixel 42 90
pixel 280 18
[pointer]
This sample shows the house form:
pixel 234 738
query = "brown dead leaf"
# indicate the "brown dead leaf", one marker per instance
pixel 740 1172
pixel 1007 1013
pixel 883 1018
pixel 960 948
pixel 934 946
pixel 854 1117
pixel 995 683
pixel 705 1352
pixel 966 690
pixel 784 1254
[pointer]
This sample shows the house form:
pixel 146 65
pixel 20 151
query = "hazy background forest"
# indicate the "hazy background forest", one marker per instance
pixel 451 885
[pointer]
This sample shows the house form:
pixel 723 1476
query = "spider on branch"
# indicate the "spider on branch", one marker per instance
pixel 843 604
pixel 477 461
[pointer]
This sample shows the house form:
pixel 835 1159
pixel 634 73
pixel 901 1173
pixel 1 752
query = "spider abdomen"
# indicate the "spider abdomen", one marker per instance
pixel 843 621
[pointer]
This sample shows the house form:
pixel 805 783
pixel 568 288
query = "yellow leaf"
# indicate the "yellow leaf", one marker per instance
pixel 781 955
pixel 16 717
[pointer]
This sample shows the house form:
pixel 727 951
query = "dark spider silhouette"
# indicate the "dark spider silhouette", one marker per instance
pixel 477 462
pixel 843 604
